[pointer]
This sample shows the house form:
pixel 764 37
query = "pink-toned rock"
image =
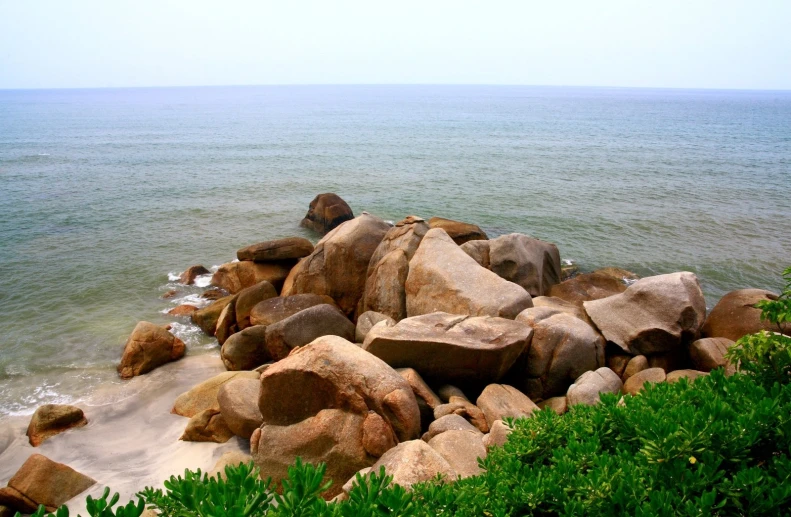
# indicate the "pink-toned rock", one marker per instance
pixel 590 385
pixel 238 401
pixel 451 422
pixel 276 309
pixel 326 212
pixel 414 462
pixel 557 404
pixel 43 481
pixel 182 310
pixel 149 346
pixel 708 354
pixel 689 375
pixel 525 261
pixel 461 449
pixel 593 286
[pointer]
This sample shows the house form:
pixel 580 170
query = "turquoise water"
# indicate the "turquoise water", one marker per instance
pixel 103 193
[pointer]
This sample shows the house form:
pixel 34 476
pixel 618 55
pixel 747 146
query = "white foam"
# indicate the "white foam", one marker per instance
pixel 203 280
pixel 174 277
pixel 192 299
pixel 187 332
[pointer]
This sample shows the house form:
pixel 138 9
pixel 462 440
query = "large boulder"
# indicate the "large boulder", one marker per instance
pixel 461 449
pixel 42 481
pixel 149 346
pixel 458 231
pixel 305 326
pixel 326 212
pixel 448 347
pixel 226 323
pixel 708 354
pixel 389 268
pixel 52 419
pixel 563 348
pixel 588 387
pixel 338 265
pixel 593 286
pixel 330 401
pixel 238 400
pixel 245 350
pixel 235 276
pixel 249 298
pixel 207 317
pixel 188 277
pixel 735 315
pixel 444 278
pixel 655 314
pixel 280 249
pixel 204 395
pixel 273 310
pixel 414 462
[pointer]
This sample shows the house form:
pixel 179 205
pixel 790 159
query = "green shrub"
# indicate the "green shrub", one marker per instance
pixel 97 508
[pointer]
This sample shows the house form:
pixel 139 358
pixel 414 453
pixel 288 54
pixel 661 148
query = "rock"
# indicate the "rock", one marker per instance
pixel 389 267
pixel 617 360
pixel 655 314
pixel 207 426
pixel 305 326
pixel 635 383
pixel 245 350
pixel 330 401
pixel 498 435
pixel 52 419
pixel 669 361
pixel 458 231
pixel 338 265
pixel 735 315
pixel 560 305
pixel 229 459
pixel 568 270
pixel 366 321
pixel 276 309
pixel 182 310
pixel 447 392
pixel 557 404
pixel 204 395
pixel 238 401
pixel 498 401
pixel 636 364
pixel 169 294
pixel 414 462
pixel 444 278
pixel 207 317
pixel 213 294
pixel 563 348
pixel 427 400
pixel 447 347
pixel 249 298
pixel 461 449
pixel 192 272
pixel 451 422
pixel 326 212
pixel 587 388
pixel 42 481
pixel 465 409
pixel 592 286
pixel 235 276
pixel 226 323
pixel 525 261
pixel 708 354
pixel 479 251
pixel 689 375
pixel 148 346
pixel 280 249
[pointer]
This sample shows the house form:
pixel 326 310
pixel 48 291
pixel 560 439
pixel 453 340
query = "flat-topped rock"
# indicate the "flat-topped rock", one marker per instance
pixel 42 481
pixel 447 347
pixel 148 347
pixel 280 249
pixel 326 212
pixel 52 419
pixel 276 309
pixel 458 231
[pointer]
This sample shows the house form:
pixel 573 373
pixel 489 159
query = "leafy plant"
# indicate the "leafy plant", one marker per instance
pixel 98 508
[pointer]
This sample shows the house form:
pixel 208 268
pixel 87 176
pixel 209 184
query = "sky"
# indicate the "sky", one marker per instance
pixel 634 43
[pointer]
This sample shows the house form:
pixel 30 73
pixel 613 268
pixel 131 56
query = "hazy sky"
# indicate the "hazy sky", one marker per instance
pixel 662 43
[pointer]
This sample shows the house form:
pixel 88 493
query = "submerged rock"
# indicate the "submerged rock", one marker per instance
pixel 149 346
pixel 326 212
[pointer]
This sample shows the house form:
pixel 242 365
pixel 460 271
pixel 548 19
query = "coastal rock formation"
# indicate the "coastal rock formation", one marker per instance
pixel 563 348
pixel 708 354
pixel 275 309
pixel 188 277
pixel 655 314
pixel 636 382
pixel 280 249
pixel 593 286
pixel 365 323
pixel 560 305
pixel 226 323
pixel 389 267
pixel 331 401
pixel 444 278
pixel 238 401
pixel 461 449
pixel 204 395
pixel 451 422
pixel 207 426
pixel 590 385
pixel 446 347
pixel 249 298
pixel 182 310
pixel 458 231
pixel 245 350
pixel 326 212
pixel 735 315
pixel 149 346
pixel 427 400
pixel 207 317
pixel 498 401
pixel 498 435
pixel 52 419
pixel 42 481
pixel 305 326
pixel 235 276
pixel 338 265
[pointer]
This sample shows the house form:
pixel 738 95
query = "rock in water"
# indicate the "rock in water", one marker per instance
pixel 735 315
pixel 52 419
pixel 235 276
pixel 305 326
pixel 149 346
pixel 446 347
pixel 42 481
pixel 655 314
pixel 188 277
pixel 444 278
pixel 338 265
pixel 326 212
pixel 458 231
pixel 281 249
pixel 207 317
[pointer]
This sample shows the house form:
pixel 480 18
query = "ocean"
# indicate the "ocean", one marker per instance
pixel 107 194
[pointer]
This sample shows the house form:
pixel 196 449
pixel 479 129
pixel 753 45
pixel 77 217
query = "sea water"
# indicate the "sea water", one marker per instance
pixel 107 194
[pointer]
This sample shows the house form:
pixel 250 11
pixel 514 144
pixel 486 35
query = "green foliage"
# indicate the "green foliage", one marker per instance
pixel 98 508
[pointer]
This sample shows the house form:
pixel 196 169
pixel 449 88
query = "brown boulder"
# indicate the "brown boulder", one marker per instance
pixel 708 354
pixel 498 401
pixel 204 395
pixel 689 375
pixel 451 422
pixel 461 449
pixel 207 426
pixel 464 408
pixel 557 404
pixel 182 310
pixel 249 298
pixel 238 400
pixel 235 276
pixel 149 346
pixel 188 276
pixel 735 315
pixel 414 462
pixel 558 304
pixel 213 294
pixel 593 286
pixel 458 231
pixel 245 350
pixel 447 347
pixel 427 400
pixel 655 314
pixel 52 419
pixel 617 360
pixel 305 326
pixel 226 323
pixel 590 385
pixel 207 317
pixel 326 212
pixel 525 261
pixel 497 436
pixel 563 348
pixel 276 309
pixel 636 382
pixel 42 481
pixel 478 251
pixel 636 364
pixel 280 249
pixel 366 321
